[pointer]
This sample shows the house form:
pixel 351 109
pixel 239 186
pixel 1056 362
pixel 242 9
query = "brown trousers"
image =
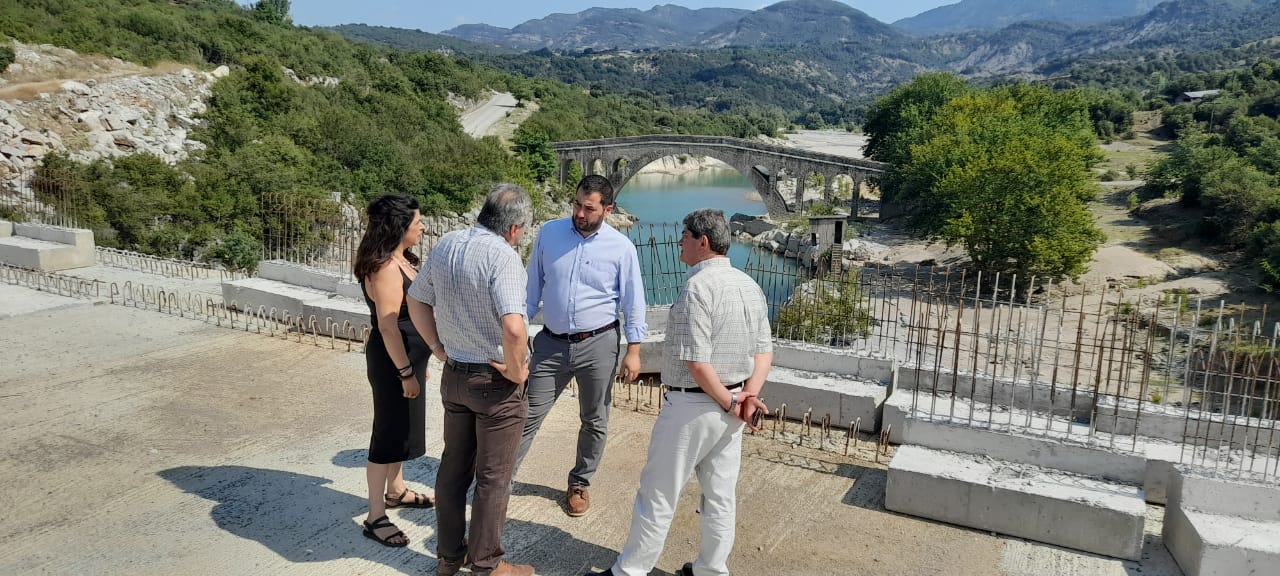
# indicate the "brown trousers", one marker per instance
pixel 484 415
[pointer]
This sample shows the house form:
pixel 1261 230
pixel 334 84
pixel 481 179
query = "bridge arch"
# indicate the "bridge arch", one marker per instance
pixel 761 163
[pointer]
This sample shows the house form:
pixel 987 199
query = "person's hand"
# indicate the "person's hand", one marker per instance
pixel 438 353
pixel 516 375
pixel 748 405
pixel 631 367
pixel 410 386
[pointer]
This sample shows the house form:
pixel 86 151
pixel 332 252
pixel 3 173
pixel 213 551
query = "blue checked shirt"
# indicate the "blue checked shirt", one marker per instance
pixel 720 318
pixel 472 278
pixel 584 283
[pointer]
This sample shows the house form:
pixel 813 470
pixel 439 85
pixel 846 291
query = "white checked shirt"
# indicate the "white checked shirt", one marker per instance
pixel 720 317
pixel 472 278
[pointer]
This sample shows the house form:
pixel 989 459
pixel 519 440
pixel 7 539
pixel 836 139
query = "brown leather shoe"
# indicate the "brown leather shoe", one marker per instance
pixel 579 501
pixel 448 567
pixel 508 569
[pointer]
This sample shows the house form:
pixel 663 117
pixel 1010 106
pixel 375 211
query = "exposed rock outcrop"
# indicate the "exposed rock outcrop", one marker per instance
pixel 97 117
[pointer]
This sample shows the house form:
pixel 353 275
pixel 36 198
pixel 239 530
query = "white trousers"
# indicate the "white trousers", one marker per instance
pixel 692 435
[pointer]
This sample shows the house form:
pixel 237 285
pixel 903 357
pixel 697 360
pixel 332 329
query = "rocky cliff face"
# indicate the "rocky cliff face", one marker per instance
pixel 92 115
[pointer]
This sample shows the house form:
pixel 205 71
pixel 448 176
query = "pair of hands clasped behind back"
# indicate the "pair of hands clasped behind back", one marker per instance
pixel 751 410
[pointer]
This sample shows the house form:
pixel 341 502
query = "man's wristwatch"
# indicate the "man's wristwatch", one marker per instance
pixel 733 403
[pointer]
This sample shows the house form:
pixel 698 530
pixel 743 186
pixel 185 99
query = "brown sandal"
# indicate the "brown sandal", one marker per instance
pixel 404 501
pixel 384 522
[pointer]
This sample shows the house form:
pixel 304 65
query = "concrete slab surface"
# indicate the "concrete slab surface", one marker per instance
pixel 141 443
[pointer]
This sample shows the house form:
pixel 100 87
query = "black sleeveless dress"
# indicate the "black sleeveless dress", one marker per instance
pixel 399 423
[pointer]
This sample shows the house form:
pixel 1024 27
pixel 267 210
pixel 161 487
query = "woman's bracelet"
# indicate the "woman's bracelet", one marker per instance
pixel 406 372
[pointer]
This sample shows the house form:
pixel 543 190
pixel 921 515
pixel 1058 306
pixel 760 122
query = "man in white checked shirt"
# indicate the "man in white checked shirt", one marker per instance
pixel 719 352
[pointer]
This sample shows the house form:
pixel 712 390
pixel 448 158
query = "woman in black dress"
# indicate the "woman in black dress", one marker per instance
pixel 396 357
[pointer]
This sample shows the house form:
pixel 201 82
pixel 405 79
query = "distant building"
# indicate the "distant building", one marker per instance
pixel 1193 97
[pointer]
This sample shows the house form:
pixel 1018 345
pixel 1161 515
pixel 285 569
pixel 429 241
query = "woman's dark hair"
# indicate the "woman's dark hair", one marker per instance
pixel 389 219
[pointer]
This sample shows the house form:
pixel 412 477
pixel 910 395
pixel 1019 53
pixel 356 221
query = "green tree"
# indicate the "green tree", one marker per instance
pixel 534 148
pixel 903 119
pixel 1006 175
pixel 272 11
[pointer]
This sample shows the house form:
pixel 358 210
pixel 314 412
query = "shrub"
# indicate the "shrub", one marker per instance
pixel 825 311
pixel 6 57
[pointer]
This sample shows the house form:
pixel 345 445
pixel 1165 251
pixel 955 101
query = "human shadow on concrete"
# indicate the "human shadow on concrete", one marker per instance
pixel 294 515
pixel 549 549
pixel 303 520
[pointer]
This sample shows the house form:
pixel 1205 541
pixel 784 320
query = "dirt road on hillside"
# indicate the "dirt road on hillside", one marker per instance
pixel 478 121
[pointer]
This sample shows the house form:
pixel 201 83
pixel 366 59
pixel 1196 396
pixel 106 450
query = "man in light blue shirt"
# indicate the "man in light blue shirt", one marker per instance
pixel 582 274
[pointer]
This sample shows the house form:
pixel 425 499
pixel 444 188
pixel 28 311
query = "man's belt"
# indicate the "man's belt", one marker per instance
pixel 699 390
pixel 580 336
pixel 475 367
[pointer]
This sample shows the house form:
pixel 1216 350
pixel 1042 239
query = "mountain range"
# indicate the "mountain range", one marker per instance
pixel 786 23
pixel 603 28
pixel 800 55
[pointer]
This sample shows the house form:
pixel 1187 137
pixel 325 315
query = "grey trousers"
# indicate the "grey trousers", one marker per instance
pixel 593 362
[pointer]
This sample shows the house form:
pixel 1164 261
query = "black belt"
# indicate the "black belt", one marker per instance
pixel 477 367
pixel 580 336
pixel 699 390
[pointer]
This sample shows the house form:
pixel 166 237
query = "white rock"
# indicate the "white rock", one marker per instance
pixel 113 122
pixel 91 120
pixel 221 71
pixel 34 151
pixel 32 137
pixel 11 151
pixel 76 88
pixel 14 68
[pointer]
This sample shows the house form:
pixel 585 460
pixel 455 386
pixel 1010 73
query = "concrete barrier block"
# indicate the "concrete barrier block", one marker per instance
pixel 1192 490
pixel 1219 526
pixel 846 399
pixel 824 359
pixel 1038 504
pixel 1050 450
pixel 260 293
pixel 1020 393
pixel 27 252
pixel 77 237
pixel 331 314
pixel 1213 545
pixel 299 275
pixel 6 228
pixel 351 290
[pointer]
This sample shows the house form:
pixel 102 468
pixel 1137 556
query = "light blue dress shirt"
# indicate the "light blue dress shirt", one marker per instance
pixel 581 284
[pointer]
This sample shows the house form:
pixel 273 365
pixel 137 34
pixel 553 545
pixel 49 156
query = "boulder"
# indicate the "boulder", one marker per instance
pixel 34 151
pixel 11 151
pixel 753 225
pixel 113 122
pixel 221 71
pixel 76 88
pixel 32 137
pixel 91 120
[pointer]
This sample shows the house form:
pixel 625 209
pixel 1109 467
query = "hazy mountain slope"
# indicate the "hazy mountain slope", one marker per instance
pixel 602 28
pixel 973 15
pixel 794 22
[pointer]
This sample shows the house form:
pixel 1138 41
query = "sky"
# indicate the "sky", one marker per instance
pixel 437 15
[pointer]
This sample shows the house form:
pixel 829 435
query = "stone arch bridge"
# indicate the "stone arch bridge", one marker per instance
pixel 763 164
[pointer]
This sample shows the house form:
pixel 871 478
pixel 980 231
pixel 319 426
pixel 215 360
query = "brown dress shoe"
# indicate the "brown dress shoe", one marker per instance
pixel 579 501
pixel 507 569
pixel 448 567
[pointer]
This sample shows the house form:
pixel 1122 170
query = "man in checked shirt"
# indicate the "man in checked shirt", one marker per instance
pixel 718 352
